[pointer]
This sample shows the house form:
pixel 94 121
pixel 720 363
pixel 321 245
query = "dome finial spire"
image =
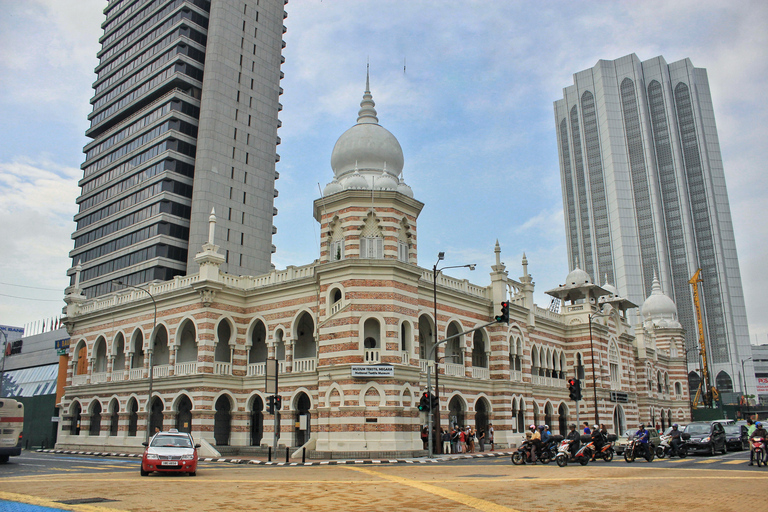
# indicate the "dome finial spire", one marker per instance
pixel 367 113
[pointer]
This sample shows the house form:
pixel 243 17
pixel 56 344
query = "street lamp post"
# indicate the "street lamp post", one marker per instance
pixel 151 350
pixel 592 351
pixel 744 382
pixel 5 356
pixel 435 272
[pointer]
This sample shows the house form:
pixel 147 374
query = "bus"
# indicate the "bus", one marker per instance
pixel 11 427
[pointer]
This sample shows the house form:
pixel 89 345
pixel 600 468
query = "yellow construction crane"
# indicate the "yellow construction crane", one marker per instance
pixel 710 393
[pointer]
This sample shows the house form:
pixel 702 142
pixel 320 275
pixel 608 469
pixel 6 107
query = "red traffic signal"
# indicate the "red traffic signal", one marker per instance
pixel 504 316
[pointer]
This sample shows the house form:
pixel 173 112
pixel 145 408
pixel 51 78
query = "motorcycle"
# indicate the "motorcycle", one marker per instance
pixel 606 451
pixel 665 447
pixel 585 453
pixel 633 448
pixel 523 455
pixel 758 446
pixel 563 456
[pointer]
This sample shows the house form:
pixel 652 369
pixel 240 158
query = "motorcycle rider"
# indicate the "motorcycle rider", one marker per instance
pixel 535 442
pixel 575 438
pixel 675 439
pixel 598 439
pixel 643 436
pixel 758 433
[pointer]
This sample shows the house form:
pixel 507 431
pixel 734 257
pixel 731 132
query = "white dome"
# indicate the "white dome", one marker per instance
pixel 404 189
pixel 355 182
pixel 610 288
pixel 658 308
pixel 332 188
pixel 367 146
pixel 577 277
pixel 385 181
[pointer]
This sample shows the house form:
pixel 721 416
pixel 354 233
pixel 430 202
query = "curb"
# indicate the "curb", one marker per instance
pixel 258 462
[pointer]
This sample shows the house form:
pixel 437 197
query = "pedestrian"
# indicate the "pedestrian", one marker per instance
pixel 425 436
pixel 604 430
pixel 481 439
pixel 462 441
pixel 587 431
pixel 446 441
pixel 490 434
pixel 455 439
pixel 470 440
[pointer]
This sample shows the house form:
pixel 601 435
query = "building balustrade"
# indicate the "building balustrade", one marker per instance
pixel 372 355
pixel 117 376
pixel 405 357
pixel 99 377
pixel 161 371
pixel 222 368
pixel 187 368
pixel 516 375
pixel 307 364
pixel 455 370
pixel 79 380
pixel 136 373
pixel 480 373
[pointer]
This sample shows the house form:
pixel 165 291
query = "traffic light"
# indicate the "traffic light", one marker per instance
pixel 278 403
pixel 270 404
pixel 574 389
pixel 504 316
pixel 424 402
pixel 435 402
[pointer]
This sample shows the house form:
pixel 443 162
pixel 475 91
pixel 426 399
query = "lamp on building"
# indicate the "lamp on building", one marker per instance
pixel 151 350
pixel 435 272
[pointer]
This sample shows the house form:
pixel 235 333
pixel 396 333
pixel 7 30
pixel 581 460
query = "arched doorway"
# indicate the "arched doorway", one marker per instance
pixel 74 427
pixel 481 415
pixel 456 412
pixel 156 415
pixel 184 415
pixel 619 422
pixel 222 421
pixel 724 383
pixel 302 430
pixel 114 417
pixel 693 382
pixel 133 417
pixel 548 412
pixel 257 421
pixel 562 421
pixel 95 427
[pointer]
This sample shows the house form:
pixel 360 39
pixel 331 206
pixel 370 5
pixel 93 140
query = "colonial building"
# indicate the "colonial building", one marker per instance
pixel 364 305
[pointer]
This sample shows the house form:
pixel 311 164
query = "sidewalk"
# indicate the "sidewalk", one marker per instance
pixel 281 461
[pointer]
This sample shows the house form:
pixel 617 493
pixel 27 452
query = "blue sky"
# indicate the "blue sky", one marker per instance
pixel 472 110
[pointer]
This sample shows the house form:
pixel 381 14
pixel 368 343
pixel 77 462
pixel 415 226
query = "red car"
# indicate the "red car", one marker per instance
pixel 172 451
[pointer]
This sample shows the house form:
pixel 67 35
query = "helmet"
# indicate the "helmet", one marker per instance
pixel 532 427
pixel 758 424
pixel 572 426
pixel 597 427
pixel 546 427
pixel 642 425
pixel 674 426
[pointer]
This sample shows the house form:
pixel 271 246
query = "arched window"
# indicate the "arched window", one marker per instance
pixel 371 343
pixel 454 352
pixel 479 359
pixel 100 355
pixel 426 338
pixel 114 417
pixel 133 417
pixel 614 366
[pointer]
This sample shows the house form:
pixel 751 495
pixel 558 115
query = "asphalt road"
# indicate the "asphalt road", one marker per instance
pixel 721 483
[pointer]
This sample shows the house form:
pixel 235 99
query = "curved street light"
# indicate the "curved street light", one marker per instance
pixel 151 349
pixel 435 272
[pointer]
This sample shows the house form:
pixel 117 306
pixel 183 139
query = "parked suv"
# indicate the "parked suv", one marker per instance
pixel 170 451
pixel 707 437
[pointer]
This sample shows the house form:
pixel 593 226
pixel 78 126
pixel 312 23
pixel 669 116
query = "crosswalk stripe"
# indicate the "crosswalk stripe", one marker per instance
pixel 736 462
pixel 710 461
pixel 675 460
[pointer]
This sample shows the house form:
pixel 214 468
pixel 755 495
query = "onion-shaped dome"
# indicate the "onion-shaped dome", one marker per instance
pixel 610 288
pixel 577 277
pixel 367 146
pixel 332 188
pixel 355 182
pixel 659 309
pixel 404 189
pixel 385 181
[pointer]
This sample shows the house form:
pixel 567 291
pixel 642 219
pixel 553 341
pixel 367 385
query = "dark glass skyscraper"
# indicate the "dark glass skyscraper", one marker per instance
pixel 644 192
pixel 184 120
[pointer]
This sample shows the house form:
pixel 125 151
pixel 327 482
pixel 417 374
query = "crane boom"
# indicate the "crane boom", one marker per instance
pixel 712 393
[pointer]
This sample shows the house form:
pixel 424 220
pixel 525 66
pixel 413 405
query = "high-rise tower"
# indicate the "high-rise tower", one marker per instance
pixel 184 120
pixel 644 192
